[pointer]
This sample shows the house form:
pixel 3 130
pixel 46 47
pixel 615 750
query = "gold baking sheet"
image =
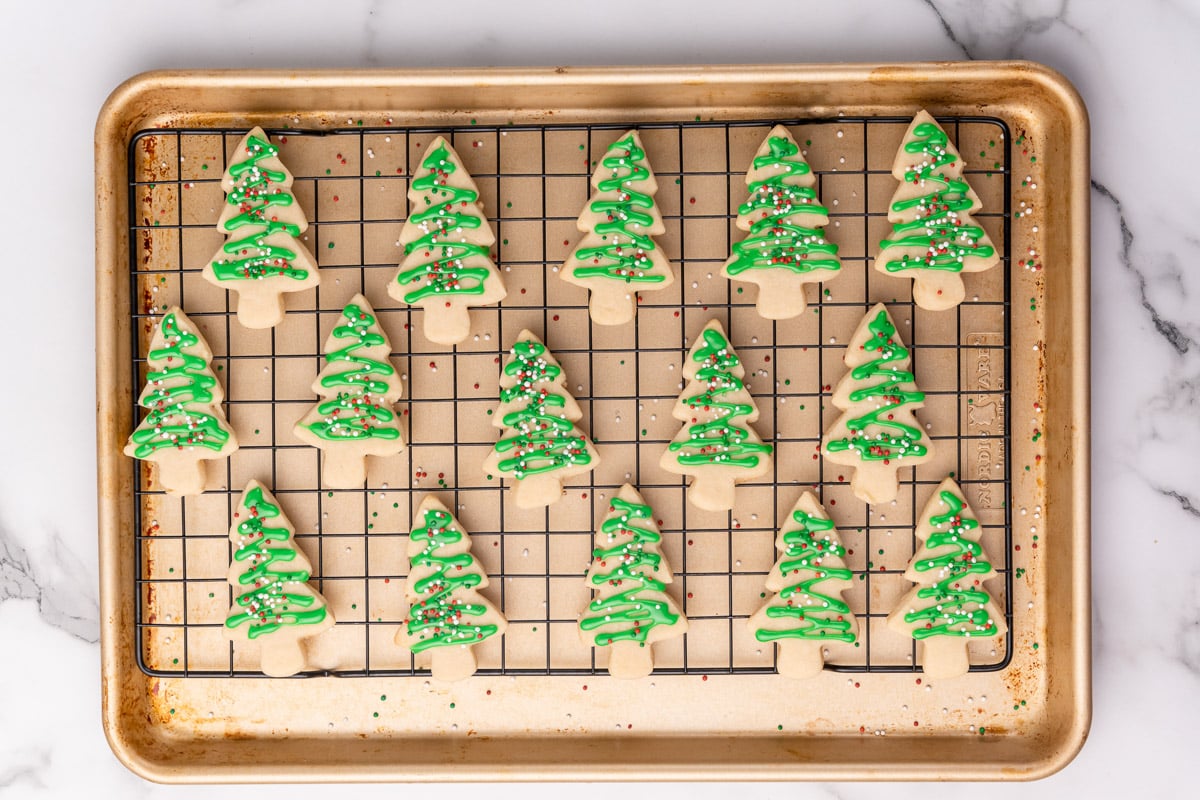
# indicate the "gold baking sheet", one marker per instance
pixel 181 704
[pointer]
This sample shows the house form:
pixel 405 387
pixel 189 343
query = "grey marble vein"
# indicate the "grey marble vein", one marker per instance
pixel 999 29
pixel 1180 341
pixel 1184 501
pixel 65 592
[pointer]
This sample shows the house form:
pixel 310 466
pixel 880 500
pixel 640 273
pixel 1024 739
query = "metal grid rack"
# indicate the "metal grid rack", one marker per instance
pixel 537 562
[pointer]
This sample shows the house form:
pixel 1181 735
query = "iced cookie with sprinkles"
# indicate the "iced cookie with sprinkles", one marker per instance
pixel 716 446
pixel 273 605
pixel 934 239
pixel 184 425
pixel 447 616
pixel 877 433
pixel 618 256
pixel 807 613
pixel 262 258
pixel 358 386
pixel 540 447
pixel 631 609
pixel 950 605
pixel 447 267
pixel 786 247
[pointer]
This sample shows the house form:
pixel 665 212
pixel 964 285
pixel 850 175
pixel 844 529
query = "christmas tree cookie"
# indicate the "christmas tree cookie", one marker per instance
pixel 949 605
pixel 786 248
pixel 877 433
pixel 716 445
pixel 933 239
pixel 184 425
pixel 541 446
pixel 359 385
pixel 262 259
pixel 446 614
pixel 447 267
pixel 807 611
pixel 629 576
pixel 618 256
pixel 273 603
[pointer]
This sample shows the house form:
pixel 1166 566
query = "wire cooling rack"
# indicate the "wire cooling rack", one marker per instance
pixel 534 180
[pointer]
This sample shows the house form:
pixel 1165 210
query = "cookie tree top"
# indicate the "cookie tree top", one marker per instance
pixel 716 445
pixel 273 602
pixel 629 574
pixel 359 386
pixel 808 611
pixel 540 446
pixel 262 258
pixel 447 266
pixel 877 433
pixel 934 238
pixel 446 613
pixel 786 248
pixel 618 255
pixel 950 603
pixel 184 424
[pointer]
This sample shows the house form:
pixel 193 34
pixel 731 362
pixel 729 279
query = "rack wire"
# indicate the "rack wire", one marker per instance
pixel 534 179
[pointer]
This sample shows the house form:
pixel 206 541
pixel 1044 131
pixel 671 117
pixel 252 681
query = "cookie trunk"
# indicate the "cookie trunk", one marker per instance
pixel 945 657
pixel 447 323
pixel 612 303
pixel 258 308
pixel 800 659
pixel 629 659
pixel 453 663
pixel 341 469
pixel 875 482
pixel 535 491
pixel 711 492
pixel 282 658
pixel 938 290
pixel 780 297
pixel 181 473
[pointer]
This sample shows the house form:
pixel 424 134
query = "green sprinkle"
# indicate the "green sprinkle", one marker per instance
pixel 505 241
pixel 787 381
pixel 377 173
pixel 982 731
pixel 174 660
pixel 204 167
pixel 643 431
pixel 739 290
pixel 1035 645
pixel 473 122
pixel 210 594
pixel 171 569
pixel 1033 159
pixel 172 711
pixel 452 705
pixel 581 147
pixel 376 714
pixel 256 431
pixel 508 204
pixel 383 698
pixel 779 727
pixel 354 606
pixel 808 142
pixel 328 171
pixel 331 245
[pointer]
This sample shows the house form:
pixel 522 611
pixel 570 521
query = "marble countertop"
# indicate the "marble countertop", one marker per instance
pixel 1129 61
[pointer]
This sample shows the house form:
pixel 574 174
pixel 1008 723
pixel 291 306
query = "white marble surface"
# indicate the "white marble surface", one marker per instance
pixel 1128 59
